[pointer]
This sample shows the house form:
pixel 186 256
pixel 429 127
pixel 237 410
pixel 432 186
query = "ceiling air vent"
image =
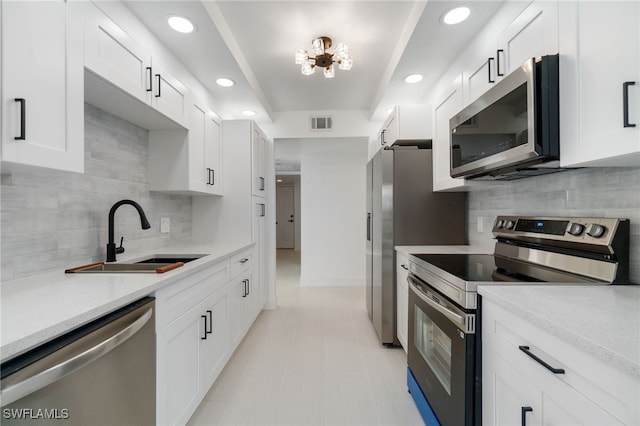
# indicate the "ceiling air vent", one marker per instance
pixel 321 123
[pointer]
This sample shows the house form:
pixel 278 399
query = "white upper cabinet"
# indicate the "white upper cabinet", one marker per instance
pixel 600 83
pixel 258 161
pixel 42 86
pixel 534 33
pixel 118 59
pixel 405 124
pixel 446 106
pixel 188 162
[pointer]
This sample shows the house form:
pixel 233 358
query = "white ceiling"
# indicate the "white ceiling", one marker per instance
pixel 253 43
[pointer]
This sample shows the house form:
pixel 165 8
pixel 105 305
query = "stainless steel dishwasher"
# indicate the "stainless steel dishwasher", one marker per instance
pixel 102 373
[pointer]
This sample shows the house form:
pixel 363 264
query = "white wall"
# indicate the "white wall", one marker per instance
pixel 333 181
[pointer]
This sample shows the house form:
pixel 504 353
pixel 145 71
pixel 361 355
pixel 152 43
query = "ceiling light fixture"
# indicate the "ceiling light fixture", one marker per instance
pixel 323 58
pixel 413 78
pixel 249 113
pixel 181 24
pixel 457 15
pixel 225 82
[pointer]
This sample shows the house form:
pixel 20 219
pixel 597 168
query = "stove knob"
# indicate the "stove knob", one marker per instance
pixel 509 224
pixel 576 229
pixel 596 231
pixel 499 224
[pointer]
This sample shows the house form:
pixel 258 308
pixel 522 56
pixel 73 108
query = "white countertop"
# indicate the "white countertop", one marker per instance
pixel 39 308
pixel 461 249
pixel 603 321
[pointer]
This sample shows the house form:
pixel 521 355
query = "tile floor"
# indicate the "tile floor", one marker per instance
pixel 315 360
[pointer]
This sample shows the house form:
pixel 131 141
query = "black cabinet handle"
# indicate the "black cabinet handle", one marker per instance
pixel 498 52
pixel 489 68
pixel 150 88
pixel 527 351
pixel 523 415
pixel 263 211
pixel 261 183
pixel 210 330
pixel 625 103
pixel 245 260
pixel 205 327
pixel 244 289
pixel 23 119
pixel 382 142
pixel 159 78
pixel 210 176
pixel 404 267
pixel 368 226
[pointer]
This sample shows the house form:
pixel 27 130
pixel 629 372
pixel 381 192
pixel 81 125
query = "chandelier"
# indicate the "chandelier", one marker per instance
pixel 323 58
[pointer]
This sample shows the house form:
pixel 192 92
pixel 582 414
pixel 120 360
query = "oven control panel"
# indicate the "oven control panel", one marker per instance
pixel 586 230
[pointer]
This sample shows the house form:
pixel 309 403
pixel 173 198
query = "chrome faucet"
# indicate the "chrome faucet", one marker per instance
pixel 111 246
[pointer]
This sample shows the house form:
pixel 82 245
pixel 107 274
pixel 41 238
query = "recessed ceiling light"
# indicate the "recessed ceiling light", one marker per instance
pixel 225 82
pixel 181 24
pixel 457 15
pixel 249 113
pixel 279 180
pixel 413 78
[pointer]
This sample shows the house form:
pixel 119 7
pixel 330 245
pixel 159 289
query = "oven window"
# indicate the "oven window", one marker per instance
pixel 434 346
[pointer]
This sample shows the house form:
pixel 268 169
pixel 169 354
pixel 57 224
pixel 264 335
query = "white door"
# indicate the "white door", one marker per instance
pixel 285 220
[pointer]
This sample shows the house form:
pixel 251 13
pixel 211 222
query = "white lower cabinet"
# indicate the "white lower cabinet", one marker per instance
pixel 402 299
pixel 572 388
pixel 194 320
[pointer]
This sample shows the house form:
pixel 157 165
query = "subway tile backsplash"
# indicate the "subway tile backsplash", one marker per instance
pixel 586 192
pixel 52 220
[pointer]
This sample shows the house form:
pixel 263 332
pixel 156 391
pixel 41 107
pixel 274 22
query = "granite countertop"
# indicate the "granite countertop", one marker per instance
pixel 39 308
pixel 603 321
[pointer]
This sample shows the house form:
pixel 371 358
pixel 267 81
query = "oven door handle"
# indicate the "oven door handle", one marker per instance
pixel 453 317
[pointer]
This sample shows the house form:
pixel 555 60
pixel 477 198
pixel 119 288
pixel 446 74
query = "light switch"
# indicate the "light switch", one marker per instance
pixel 165 225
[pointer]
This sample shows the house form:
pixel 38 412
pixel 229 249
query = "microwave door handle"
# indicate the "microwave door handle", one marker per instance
pixel 453 317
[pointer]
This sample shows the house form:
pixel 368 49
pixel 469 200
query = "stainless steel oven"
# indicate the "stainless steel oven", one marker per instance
pixel 444 341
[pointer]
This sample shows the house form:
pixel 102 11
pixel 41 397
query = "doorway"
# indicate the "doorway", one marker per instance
pixel 285 217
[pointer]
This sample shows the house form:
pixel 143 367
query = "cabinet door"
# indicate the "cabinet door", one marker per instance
pixel 42 84
pixel 237 297
pixel 214 348
pixel 506 393
pixel 258 142
pixel 594 67
pixel 480 76
pixel 116 57
pixel 213 155
pixel 402 272
pixel 199 176
pixel 449 104
pixel 170 96
pixel 178 367
pixel 534 33
pixel 260 238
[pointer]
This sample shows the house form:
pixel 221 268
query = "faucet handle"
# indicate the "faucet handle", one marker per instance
pixel 120 249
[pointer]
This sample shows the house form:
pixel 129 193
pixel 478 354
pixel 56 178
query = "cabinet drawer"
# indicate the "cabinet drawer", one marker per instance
pixel 241 262
pixel 504 334
pixel 176 299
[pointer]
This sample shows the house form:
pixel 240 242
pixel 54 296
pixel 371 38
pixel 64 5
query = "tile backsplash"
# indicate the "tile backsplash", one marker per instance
pixel 587 192
pixel 52 220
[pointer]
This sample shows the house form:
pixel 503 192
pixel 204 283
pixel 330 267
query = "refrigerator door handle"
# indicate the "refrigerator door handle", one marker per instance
pixel 368 226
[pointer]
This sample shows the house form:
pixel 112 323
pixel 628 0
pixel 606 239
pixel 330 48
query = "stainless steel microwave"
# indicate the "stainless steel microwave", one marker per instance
pixel 512 130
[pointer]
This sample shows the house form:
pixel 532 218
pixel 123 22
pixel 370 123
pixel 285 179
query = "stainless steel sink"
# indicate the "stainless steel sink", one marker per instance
pixel 171 258
pixel 156 264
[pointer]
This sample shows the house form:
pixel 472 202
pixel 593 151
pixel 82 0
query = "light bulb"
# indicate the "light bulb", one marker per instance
pixel 317 46
pixel 329 72
pixel 345 64
pixel 308 68
pixel 181 24
pixel 342 51
pixel 457 15
pixel 301 56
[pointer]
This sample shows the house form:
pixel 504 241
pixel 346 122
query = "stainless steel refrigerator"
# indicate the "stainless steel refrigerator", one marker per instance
pixel 402 209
